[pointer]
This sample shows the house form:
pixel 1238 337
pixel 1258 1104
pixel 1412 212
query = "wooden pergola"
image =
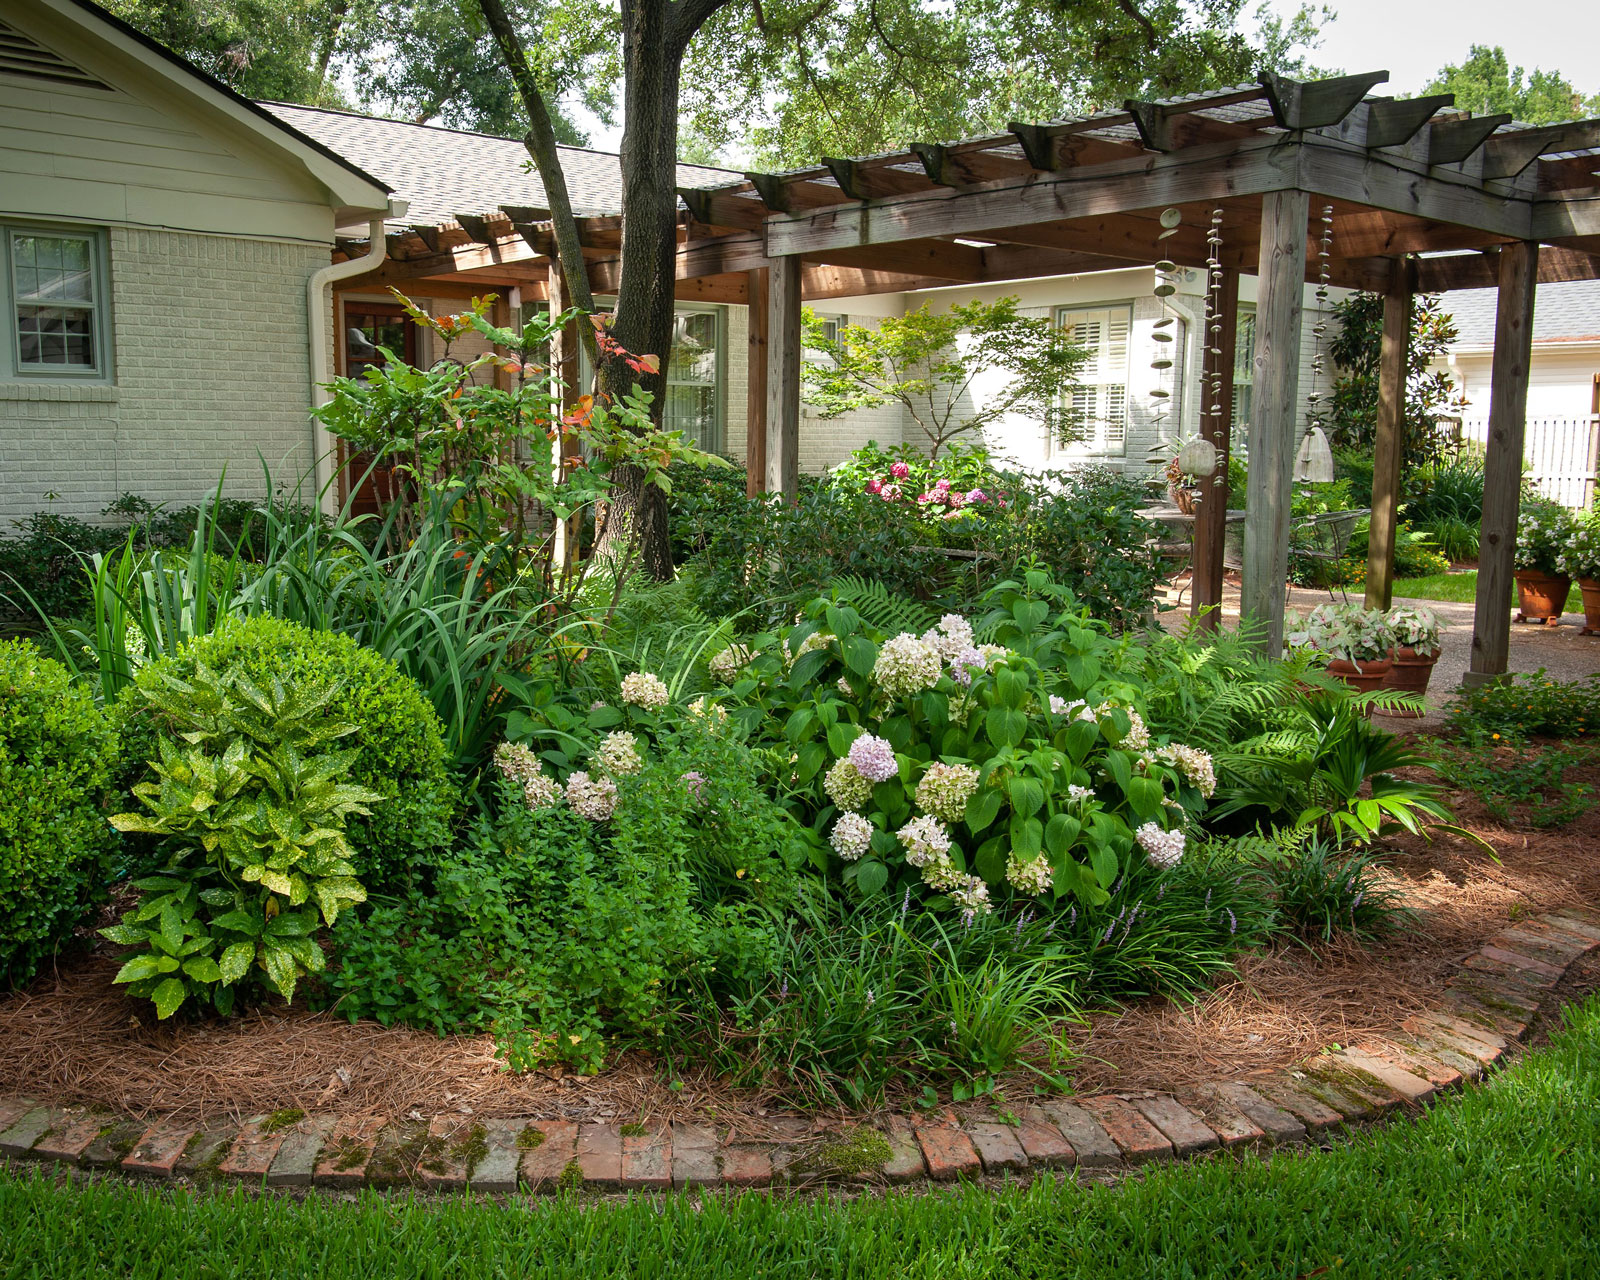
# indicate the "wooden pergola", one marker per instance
pixel 1420 198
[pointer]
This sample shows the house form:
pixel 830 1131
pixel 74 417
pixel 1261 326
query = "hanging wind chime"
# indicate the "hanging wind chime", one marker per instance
pixel 1314 459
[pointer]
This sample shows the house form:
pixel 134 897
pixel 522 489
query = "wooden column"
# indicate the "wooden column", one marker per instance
pixel 783 377
pixel 1279 302
pixel 1216 421
pixel 755 456
pixel 1502 479
pixel 1389 444
pixel 564 370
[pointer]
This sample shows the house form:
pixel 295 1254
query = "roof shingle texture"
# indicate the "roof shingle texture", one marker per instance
pixel 443 172
pixel 1565 312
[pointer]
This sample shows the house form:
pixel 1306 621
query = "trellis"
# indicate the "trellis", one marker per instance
pixel 1417 196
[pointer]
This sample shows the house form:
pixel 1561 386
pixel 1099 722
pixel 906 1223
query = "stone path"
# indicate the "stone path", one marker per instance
pixel 1485 1010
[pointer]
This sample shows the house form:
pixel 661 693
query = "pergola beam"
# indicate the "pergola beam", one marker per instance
pixel 1393 122
pixel 1299 105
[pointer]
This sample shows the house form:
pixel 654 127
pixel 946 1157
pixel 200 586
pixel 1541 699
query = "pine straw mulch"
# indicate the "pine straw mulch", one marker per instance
pixel 74 1038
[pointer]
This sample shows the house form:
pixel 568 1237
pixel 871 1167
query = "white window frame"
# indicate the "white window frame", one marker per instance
pixel 1110 436
pixel 821 355
pixel 11 366
pixel 718 382
pixel 1244 363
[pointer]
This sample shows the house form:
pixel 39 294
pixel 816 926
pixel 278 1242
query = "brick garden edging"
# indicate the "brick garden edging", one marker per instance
pixel 1487 1007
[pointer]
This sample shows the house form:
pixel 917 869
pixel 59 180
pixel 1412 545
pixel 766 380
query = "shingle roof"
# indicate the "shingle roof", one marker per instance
pixel 1565 312
pixel 443 172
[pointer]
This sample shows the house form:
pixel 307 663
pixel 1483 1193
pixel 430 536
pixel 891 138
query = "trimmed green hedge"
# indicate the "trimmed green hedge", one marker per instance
pixel 57 757
pixel 403 756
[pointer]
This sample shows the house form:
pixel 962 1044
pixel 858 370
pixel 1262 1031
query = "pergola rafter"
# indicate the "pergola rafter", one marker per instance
pixel 1423 197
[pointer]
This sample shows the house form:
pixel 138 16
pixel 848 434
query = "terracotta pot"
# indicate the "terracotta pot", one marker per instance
pixel 1541 596
pixel 1591 605
pixel 1182 498
pixel 1409 672
pixel 1363 677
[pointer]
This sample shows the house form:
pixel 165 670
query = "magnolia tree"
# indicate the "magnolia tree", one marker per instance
pixel 938 367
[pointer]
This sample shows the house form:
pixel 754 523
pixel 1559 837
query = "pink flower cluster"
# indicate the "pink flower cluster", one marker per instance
pixel 940 495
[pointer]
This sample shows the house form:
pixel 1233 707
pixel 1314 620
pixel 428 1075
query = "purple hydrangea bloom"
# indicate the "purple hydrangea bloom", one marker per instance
pixel 873 758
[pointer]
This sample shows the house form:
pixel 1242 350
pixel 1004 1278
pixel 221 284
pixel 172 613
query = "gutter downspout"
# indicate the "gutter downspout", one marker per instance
pixel 322 451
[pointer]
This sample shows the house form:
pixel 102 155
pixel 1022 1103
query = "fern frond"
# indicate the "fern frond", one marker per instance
pixel 881 608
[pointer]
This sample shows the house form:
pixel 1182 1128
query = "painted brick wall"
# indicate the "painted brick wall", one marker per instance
pixel 210 368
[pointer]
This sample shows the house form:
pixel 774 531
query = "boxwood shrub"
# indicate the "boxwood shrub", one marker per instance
pixel 57 758
pixel 403 756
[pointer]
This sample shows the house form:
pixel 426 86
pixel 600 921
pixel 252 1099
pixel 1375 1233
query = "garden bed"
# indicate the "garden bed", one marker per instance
pixel 73 1038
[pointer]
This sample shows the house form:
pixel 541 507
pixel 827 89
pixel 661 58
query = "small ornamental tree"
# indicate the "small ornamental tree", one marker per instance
pixel 930 363
pixel 1430 392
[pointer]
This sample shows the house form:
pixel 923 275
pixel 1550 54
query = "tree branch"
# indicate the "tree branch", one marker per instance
pixel 1128 7
pixel 542 147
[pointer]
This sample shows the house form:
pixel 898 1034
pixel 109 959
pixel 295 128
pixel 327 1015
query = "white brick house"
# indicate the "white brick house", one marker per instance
pixel 157 236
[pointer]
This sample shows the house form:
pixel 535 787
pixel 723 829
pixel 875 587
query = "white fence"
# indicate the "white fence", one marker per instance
pixel 1559 455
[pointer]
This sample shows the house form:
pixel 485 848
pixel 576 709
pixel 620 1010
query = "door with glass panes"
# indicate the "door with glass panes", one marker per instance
pixel 370 329
pixel 692 399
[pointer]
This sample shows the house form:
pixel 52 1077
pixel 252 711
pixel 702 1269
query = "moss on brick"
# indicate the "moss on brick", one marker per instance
pixel 633 1130
pixel 852 1153
pixel 282 1119
pixel 530 1139
pixel 571 1178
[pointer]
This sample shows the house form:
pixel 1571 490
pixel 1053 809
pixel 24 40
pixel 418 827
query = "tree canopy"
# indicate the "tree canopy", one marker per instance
pixel 1486 83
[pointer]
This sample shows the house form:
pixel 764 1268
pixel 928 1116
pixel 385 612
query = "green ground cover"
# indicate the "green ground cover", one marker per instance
pixel 1503 1181
pixel 1461 588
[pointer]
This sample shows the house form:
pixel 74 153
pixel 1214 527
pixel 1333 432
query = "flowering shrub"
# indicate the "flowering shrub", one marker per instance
pixel 1018 768
pixel 1580 558
pixel 1543 533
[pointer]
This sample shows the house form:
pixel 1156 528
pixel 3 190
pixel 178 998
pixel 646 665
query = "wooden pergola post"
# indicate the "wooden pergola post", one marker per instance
pixel 564 372
pixel 1390 435
pixel 783 377
pixel 1216 421
pixel 1279 302
pixel 1502 479
pixel 755 456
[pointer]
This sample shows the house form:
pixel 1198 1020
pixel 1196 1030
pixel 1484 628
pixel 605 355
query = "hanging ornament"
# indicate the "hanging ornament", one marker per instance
pixel 1314 459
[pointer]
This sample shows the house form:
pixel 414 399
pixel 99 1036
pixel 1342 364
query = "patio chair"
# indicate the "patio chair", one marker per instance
pixel 1325 538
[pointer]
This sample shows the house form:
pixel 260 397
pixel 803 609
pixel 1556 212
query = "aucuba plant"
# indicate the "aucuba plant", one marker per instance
pixel 249 805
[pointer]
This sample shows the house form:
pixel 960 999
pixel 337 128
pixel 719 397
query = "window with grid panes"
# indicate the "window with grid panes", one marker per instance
pixel 56 302
pixel 694 372
pixel 1097 408
pixel 1244 368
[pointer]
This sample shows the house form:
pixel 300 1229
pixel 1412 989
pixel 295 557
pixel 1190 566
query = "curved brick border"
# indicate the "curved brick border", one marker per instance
pixel 1487 1007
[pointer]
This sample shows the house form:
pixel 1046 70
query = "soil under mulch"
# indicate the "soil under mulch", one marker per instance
pixel 74 1038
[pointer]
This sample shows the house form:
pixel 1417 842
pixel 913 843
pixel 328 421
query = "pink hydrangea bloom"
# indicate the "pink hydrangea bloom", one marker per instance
pixel 890 493
pixel 900 471
pixel 977 495
pixel 874 485
pixel 941 485
pixel 873 758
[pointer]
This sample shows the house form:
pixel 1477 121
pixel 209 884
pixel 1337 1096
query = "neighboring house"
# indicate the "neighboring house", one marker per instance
pixel 164 246
pixel 157 236
pixel 1562 442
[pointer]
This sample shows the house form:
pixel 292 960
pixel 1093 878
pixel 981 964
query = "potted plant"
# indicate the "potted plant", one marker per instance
pixel 1416 651
pixel 1542 580
pixel 1582 561
pixel 1357 642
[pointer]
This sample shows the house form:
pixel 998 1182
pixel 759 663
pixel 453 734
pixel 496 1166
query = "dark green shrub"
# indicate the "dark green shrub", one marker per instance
pixel 1323 890
pixel 57 757
pixel 401 752
pixel 42 562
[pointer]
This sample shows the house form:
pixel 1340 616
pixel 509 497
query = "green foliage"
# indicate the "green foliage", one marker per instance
pixel 57 757
pixel 1321 890
pixel 1327 767
pixel 1429 391
pixel 927 362
pixel 1528 706
pixel 1043 799
pixel 1444 501
pixel 249 804
pixel 1517 782
pixel 1486 84
pixel 1543 532
pixel 400 753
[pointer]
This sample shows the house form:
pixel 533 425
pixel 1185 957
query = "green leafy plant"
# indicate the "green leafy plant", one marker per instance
pixel 58 756
pixel 1322 890
pixel 400 751
pixel 1416 627
pixel 249 803
pixel 1528 706
pixel 1345 631
pixel 1581 557
pixel 1518 783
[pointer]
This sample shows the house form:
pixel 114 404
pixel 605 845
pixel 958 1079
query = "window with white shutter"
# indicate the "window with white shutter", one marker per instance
pixel 1097 409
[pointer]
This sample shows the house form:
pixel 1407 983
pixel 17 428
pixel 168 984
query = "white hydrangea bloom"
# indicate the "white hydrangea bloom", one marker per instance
pixel 644 690
pixel 726 664
pixel 1163 849
pixel 1193 763
pixel 971 894
pixel 618 754
pixel 852 836
pixel 941 875
pixel 816 640
pixel 907 666
pixel 712 714
pixel 520 766
pixel 591 798
pixel 1075 792
pixel 844 687
pixel 945 790
pixel 925 839
pixel 1028 875
pixel 950 637
pixel 845 785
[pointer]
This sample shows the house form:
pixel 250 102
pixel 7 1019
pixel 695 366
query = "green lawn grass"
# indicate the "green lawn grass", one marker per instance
pixel 1501 1182
pixel 1462 588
